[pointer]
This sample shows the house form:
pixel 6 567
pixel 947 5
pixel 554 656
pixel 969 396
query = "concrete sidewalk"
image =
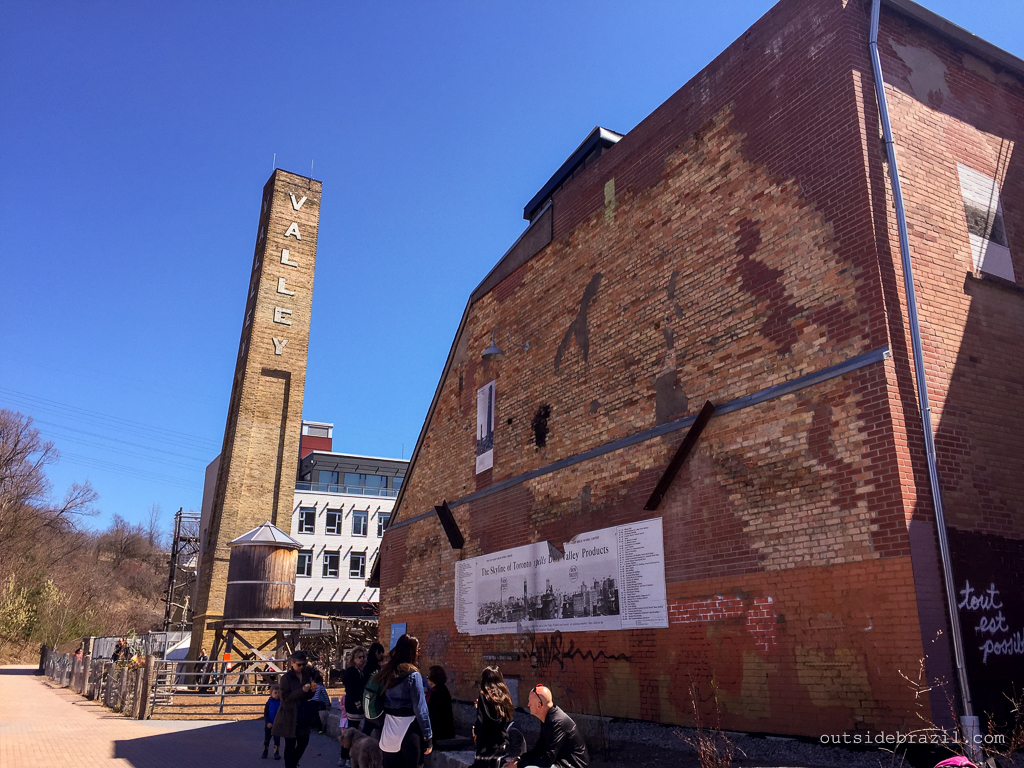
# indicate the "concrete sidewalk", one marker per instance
pixel 42 726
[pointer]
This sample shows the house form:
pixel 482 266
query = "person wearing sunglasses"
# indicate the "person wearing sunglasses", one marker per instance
pixel 297 686
pixel 560 744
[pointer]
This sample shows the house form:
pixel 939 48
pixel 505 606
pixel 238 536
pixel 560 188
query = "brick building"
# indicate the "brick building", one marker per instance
pixel 741 245
pixel 253 477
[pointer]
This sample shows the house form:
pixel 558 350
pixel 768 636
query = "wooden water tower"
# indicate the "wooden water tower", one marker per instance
pixel 260 596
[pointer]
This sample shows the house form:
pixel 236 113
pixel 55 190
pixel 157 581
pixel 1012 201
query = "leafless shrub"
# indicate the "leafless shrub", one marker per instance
pixel 713 746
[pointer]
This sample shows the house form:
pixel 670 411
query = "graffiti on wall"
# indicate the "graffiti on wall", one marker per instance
pixel 553 649
pixel 991 630
pixel 989 570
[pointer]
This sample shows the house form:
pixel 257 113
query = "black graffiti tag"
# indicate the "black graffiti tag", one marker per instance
pixel 547 651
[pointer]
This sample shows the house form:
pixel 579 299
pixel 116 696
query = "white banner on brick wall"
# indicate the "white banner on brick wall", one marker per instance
pixel 613 578
pixel 485 427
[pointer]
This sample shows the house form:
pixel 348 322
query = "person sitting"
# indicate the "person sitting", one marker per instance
pixel 494 713
pixel 560 744
pixel 439 704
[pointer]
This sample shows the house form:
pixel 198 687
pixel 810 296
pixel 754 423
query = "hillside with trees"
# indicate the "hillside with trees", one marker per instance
pixel 60 579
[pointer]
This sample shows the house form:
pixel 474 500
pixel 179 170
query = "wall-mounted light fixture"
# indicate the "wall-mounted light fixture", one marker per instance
pixel 494 352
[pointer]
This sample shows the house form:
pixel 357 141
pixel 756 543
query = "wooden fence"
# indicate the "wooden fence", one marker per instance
pixel 120 687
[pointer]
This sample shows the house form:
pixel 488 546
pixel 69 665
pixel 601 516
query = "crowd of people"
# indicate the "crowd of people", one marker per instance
pixel 415 710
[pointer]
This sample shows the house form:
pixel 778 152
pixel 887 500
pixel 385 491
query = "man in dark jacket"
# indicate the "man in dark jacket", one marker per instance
pixel 560 744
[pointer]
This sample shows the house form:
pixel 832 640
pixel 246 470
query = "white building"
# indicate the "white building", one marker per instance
pixel 341 507
pixel 343 503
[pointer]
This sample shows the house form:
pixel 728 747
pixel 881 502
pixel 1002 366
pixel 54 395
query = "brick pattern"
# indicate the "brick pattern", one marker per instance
pixel 758 613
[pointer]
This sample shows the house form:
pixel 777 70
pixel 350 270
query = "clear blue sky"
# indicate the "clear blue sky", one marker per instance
pixel 135 139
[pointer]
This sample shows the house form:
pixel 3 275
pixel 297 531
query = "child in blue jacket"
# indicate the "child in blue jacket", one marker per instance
pixel 269 713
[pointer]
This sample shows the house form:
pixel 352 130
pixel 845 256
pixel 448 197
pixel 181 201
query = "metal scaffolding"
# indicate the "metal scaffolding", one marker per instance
pixel 183 566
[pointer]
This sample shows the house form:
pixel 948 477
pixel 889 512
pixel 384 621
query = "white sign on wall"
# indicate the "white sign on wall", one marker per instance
pixel 485 427
pixel 613 578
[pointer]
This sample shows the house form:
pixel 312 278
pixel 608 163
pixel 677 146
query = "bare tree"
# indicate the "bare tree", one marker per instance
pixel 28 518
pixel 154 527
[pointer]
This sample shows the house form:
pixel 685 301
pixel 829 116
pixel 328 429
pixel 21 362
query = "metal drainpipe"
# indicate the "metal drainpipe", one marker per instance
pixel 922 383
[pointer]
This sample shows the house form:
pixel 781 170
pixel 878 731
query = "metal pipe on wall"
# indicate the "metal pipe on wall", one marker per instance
pixel 919 369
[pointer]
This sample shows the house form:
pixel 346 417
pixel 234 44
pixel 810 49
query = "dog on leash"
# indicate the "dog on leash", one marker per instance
pixel 364 751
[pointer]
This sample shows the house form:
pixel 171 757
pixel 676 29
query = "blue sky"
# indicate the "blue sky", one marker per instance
pixel 135 139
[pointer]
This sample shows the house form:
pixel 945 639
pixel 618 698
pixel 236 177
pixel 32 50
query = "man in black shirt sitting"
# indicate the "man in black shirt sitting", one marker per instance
pixel 560 744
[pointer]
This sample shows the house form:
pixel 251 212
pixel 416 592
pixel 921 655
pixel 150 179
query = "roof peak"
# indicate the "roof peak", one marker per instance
pixel 268 535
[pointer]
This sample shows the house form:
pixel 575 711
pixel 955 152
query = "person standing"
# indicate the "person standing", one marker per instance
pixel 374 661
pixel 203 668
pixel 406 735
pixel 439 704
pixel 354 682
pixel 321 698
pixel 297 686
pixel 269 713
pixel 560 744
pixel 494 713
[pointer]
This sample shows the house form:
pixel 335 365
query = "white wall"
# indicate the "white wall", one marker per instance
pixel 342 589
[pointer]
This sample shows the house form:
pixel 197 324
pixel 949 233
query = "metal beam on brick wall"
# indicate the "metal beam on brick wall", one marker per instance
pixel 681 454
pixel 770 393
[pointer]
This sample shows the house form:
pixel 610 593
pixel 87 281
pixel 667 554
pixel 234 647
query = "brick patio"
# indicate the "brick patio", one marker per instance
pixel 42 726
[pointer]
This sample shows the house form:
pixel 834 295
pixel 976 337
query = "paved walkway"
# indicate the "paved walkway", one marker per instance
pixel 42 726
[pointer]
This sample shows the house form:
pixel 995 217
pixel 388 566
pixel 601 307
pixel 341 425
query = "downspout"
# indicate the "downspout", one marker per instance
pixel 922 383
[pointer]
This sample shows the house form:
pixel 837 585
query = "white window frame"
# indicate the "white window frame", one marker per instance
pixel 340 513
pixel 365 514
pixel 337 564
pixel 308 553
pixel 302 510
pixel 361 573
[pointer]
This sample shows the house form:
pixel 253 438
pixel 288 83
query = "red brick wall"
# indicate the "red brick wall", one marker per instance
pixel 949 106
pixel 735 240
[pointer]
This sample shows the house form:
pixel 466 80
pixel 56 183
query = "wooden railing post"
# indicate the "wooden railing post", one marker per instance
pixel 148 682
pixel 86 672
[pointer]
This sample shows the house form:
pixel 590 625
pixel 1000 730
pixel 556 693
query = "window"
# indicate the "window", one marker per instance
pixel 985 227
pixel 359 517
pixel 331 564
pixel 396 482
pixel 305 566
pixel 366 481
pixel 357 565
pixel 382 522
pixel 334 521
pixel 331 478
pixel 307 519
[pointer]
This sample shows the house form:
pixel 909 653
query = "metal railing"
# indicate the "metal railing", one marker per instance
pixel 354 490
pixel 151 643
pixel 230 688
pixel 168 688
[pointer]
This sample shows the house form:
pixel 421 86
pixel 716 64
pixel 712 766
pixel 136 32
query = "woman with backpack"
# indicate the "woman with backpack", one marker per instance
pixel 406 735
pixel 494 713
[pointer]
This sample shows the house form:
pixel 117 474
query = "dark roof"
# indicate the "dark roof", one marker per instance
pixel 596 142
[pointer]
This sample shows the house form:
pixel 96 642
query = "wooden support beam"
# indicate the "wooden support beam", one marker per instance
pixel 451 528
pixel 682 452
